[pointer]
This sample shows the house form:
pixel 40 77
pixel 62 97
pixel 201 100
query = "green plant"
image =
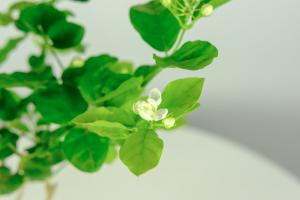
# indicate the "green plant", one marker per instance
pixel 95 107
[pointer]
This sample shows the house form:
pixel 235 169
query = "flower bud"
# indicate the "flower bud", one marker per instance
pixel 166 3
pixel 77 62
pixel 169 122
pixel 207 10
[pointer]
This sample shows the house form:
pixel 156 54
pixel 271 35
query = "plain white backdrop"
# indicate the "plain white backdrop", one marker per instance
pixel 252 90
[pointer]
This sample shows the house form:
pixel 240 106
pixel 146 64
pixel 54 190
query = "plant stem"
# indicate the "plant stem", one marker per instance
pixel 50 190
pixel 182 33
pixel 20 193
pixel 56 57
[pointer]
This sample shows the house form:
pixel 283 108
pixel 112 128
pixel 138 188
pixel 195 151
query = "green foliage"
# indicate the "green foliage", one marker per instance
pixel 92 111
pixel 8 142
pixel 192 56
pixel 141 151
pixel 9 182
pixel 156 25
pixel 59 104
pixel 9 47
pixel 85 150
pixel 182 95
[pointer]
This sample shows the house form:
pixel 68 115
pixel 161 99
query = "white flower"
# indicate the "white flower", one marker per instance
pixel 148 110
pixel 207 10
pixel 169 122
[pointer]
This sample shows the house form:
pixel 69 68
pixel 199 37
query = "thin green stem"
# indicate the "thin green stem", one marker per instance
pixel 181 36
pixel 56 57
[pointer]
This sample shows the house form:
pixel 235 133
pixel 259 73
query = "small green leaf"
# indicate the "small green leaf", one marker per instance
pixel 181 96
pixel 33 80
pixel 111 130
pixel 9 47
pixel 192 56
pixel 8 142
pixel 141 152
pixel 85 150
pixel 110 114
pixel 59 104
pixel 9 182
pixel 9 105
pixel 65 34
pixel 156 25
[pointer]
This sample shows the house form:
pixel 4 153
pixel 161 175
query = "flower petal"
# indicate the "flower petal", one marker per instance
pixel 154 97
pixel 160 114
pixel 145 110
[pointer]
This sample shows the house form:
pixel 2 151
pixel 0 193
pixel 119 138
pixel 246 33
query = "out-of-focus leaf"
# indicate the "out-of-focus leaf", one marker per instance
pixel 9 47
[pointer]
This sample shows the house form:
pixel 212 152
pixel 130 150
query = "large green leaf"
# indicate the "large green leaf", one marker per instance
pixel 192 56
pixel 33 80
pixel 110 114
pixel 141 152
pixel 8 142
pixel 9 47
pixel 59 104
pixel 8 181
pixel 156 25
pixel 64 34
pixel 181 96
pixel 85 150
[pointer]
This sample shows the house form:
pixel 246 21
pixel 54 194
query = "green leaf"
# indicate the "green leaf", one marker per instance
pixel 121 67
pixel 9 182
pixel 127 91
pixel 65 34
pixel 192 56
pixel 33 80
pixel 111 130
pixel 148 72
pixel 71 75
pixel 9 47
pixel 8 142
pixel 9 103
pixel 39 18
pixel 37 62
pixel 110 114
pixel 156 25
pixel 59 104
pixel 141 152
pixel 85 150
pixel 181 96
pixel 5 19
pixel 98 80
pixel 35 168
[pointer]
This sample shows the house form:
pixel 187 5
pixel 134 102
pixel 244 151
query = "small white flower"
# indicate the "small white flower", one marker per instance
pixel 207 10
pixel 148 110
pixel 169 122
